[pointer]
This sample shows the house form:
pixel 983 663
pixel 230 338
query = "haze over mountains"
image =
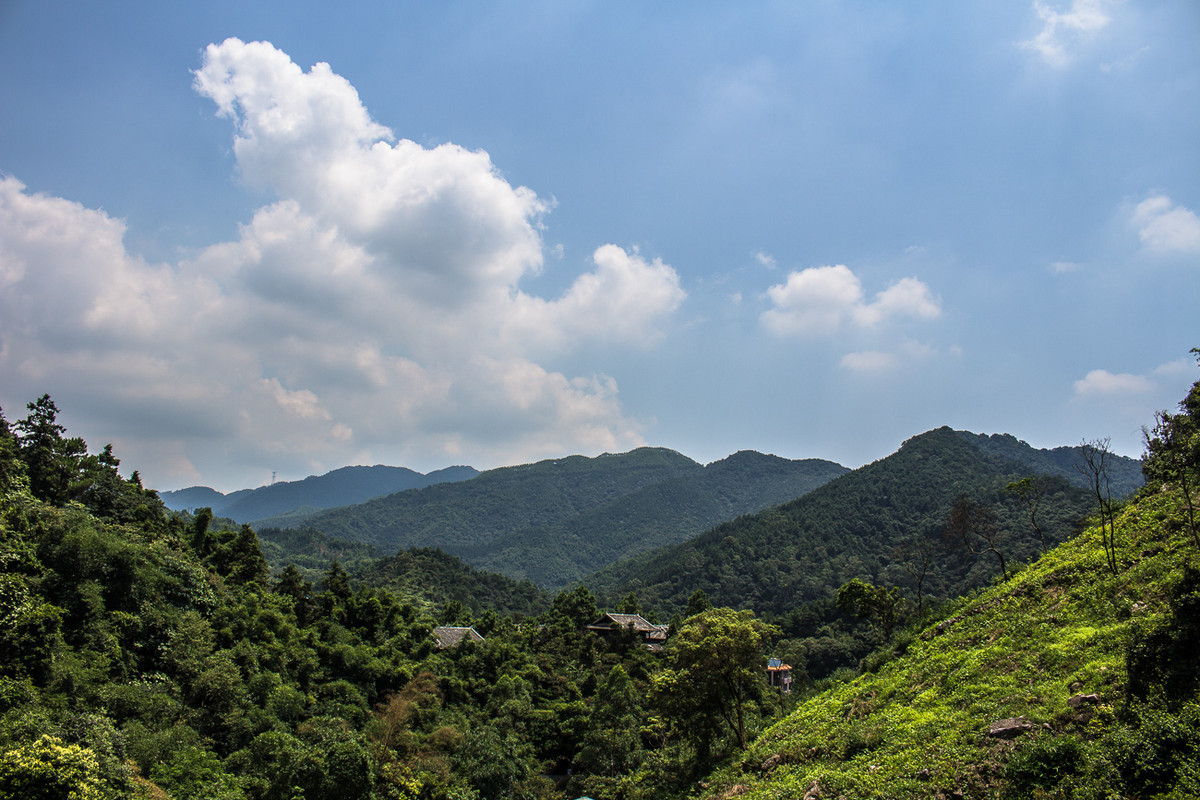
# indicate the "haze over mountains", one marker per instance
pixel 337 488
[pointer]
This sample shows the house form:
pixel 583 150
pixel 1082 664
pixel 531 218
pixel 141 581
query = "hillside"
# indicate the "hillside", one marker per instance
pixel 664 513
pixel 851 527
pixel 552 520
pixel 1023 690
pixel 341 487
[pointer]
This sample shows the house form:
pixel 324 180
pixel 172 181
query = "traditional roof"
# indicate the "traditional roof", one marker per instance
pixel 776 664
pixel 649 630
pixel 450 636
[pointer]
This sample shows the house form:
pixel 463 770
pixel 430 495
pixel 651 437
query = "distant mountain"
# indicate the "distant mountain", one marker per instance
pixel 555 520
pixel 802 551
pixel 345 486
pixel 670 511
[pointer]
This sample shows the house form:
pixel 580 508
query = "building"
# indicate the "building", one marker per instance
pixel 779 674
pixel 449 636
pixel 652 635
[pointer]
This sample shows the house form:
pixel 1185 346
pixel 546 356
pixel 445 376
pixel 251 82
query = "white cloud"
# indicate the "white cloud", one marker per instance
pixel 1062 29
pixel 869 361
pixel 373 308
pixel 1063 267
pixel 824 299
pixel 1164 227
pixel 1103 382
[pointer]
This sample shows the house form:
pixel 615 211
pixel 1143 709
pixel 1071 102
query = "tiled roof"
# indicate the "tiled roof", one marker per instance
pixel 449 636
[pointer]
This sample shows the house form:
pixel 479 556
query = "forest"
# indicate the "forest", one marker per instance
pixel 161 654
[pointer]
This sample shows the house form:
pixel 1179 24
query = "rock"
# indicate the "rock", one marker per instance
pixel 1084 699
pixel 814 792
pixel 1075 687
pixel 771 763
pixel 1010 728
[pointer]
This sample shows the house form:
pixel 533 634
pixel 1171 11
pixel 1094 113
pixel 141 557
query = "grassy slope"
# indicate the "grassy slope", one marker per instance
pixel 1014 650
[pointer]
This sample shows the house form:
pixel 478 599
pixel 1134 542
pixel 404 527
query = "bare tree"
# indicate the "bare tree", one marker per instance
pixel 974 526
pixel 916 556
pixel 1094 465
pixel 1031 490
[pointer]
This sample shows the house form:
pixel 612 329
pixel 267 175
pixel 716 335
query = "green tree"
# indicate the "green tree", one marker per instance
pixel 611 745
pixel 1173 451
pixel 881 605
pixel 50 769
pixel 714 669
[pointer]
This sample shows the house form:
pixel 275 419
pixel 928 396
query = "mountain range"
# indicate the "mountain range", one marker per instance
pixel 555 521
pixel 340 487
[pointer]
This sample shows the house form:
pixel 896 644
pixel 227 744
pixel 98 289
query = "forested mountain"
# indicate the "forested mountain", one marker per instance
pixel 555 520
pixel 1077 678
pixel 150 654
pixel 341 487
pixel 857 526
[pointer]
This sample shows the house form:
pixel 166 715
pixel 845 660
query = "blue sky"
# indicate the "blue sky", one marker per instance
pixel 238 239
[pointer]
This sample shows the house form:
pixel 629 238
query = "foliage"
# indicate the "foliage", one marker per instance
pixel 555 521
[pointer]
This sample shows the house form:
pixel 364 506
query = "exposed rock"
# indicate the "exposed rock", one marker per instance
pixel 771 763
pixel 1084 699
pixel 733 791
pixel 1010 728
pixel 814 792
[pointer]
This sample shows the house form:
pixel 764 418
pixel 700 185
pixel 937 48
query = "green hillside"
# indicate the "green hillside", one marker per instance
pixel 556 520
pixel 666 512
pixel 1051 652
pixel 855 525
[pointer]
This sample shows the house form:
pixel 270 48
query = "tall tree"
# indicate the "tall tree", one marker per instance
pixel 715 668
pixel 1095 466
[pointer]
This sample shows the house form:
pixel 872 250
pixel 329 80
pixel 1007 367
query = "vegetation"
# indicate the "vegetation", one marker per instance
pixel 555 521
pixel 148 653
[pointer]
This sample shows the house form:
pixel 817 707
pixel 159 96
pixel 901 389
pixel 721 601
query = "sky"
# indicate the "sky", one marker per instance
pixel 245 240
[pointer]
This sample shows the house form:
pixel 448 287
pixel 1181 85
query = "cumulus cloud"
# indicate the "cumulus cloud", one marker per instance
pixel 1062 29
pixel 1164 227
pixel 372 310
pixel 1103 382
pixel 825 299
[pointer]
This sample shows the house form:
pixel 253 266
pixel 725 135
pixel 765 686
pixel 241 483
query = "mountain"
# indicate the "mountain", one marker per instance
pixel 554 520
pixel 1069 680
pixel 345 486
pixel 850 528
pixel 666 512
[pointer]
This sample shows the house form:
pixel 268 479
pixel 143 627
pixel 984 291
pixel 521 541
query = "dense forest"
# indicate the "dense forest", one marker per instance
pixel 151 653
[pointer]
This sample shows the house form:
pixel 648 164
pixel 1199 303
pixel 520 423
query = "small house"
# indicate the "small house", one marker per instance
pixel 779 674
pixel 652 635
pixel 450 636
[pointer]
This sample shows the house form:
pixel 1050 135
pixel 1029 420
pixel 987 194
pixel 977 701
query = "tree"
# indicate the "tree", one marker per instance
pixel 881 605
pixel 1030 491
pixel 49 458
pixel 50 769
pixel 1173 451
pixel 916 556
pixel 697 603
pixel 611 744
pixel 974 526
pixel 714 669
pixel 1095 462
